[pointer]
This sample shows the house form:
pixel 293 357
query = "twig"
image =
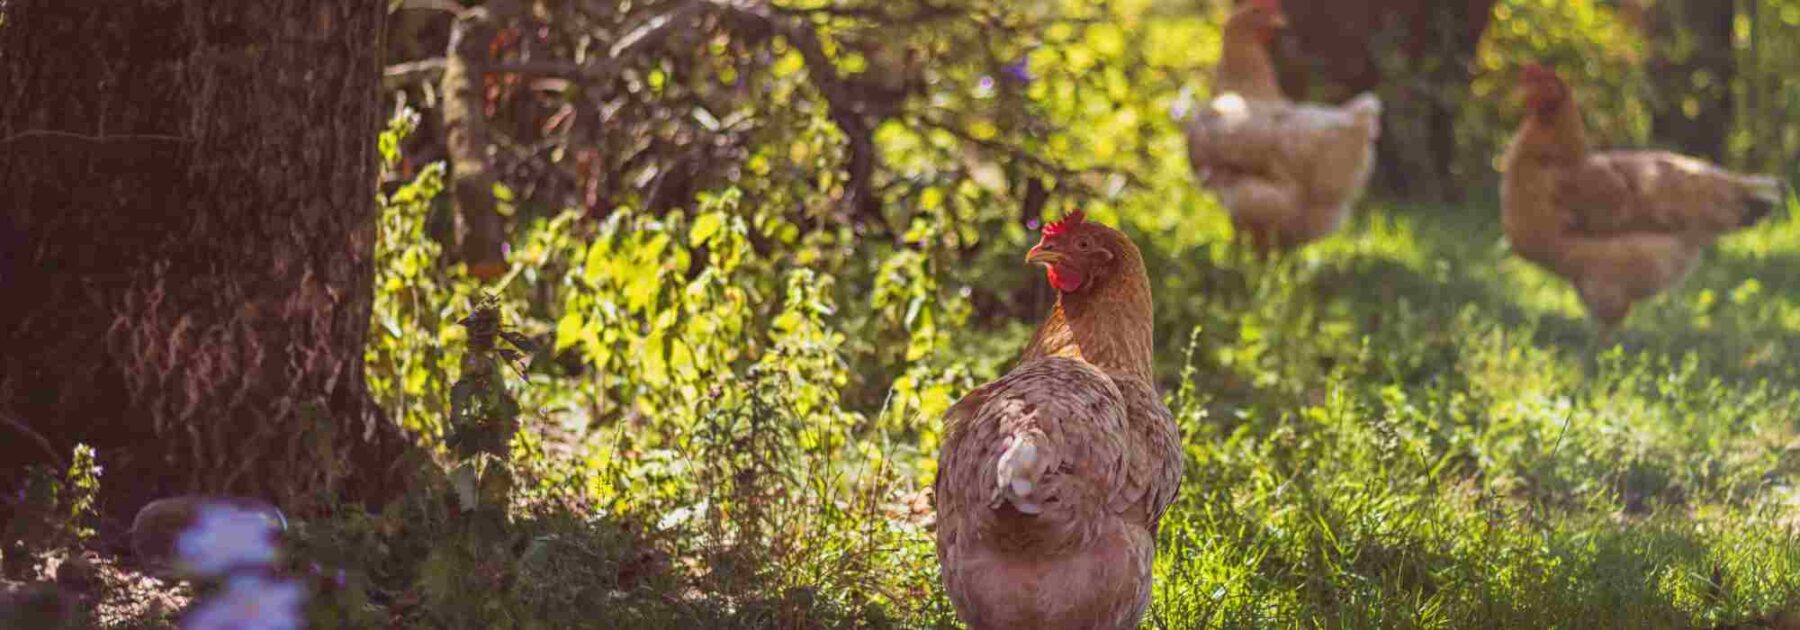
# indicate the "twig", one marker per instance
pixel 926 12
pixel 1567 417
pixel 432 70
pixel 70 135
pixel 431 5
pixel 42 441
pixel 652 31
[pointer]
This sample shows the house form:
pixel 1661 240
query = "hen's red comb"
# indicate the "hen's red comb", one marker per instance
pixel 1069 220
pixel 1535 71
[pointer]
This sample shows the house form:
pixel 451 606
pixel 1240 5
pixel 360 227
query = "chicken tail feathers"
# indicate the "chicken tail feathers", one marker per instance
pixel 1764 194
pixel 1366 107
pixel 1019 474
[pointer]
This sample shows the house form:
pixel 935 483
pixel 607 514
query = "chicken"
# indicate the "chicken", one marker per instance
pixel 1052 479
pixel 1244 64
pixel 1619 225
pixel 1288 172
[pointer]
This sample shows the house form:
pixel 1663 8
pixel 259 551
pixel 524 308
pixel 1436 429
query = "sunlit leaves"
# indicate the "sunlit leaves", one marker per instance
pixel 705 227
pixel 411 359
pixel 788 64
pixel 1588 42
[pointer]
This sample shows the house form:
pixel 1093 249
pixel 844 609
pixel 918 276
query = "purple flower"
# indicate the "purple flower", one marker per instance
pixel 1183 104
pixel 250 602
pixel 1179 109
pixel 225 538
pixel 1020 69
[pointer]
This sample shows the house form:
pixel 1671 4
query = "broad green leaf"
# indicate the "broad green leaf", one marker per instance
pixel 568 330
pixel 705 227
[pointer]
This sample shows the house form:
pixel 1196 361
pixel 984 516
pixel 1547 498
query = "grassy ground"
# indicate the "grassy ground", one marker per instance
pixel 1411 429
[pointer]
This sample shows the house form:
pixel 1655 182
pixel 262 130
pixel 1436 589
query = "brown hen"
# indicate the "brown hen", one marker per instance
pixel 1245 66
pixel 1619 225
pixel 1288 172
pixel 1052 479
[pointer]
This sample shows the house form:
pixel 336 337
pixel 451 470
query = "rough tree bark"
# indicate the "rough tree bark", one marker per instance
pixel 188 190
pixel 482 236
pixel 1419 53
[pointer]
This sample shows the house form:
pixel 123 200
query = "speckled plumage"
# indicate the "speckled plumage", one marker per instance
pixel 1288 172
pixel 1619 225
pixel 1104 462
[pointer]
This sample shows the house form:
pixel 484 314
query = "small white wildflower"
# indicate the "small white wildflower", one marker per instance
pixel 226 538
pixel 1182 105
pixel 250 602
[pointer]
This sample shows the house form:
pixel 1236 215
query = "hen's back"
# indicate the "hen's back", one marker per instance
pixel 1620 192
pixel 1294 167
pixel 1031 529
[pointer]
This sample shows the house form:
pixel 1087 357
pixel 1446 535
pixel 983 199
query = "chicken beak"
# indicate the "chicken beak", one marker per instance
pixel 1040 256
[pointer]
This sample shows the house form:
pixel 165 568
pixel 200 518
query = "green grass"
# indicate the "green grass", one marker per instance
pixel 1429 447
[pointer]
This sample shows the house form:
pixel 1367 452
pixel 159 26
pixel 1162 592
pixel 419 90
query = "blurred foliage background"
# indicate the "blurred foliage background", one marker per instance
pixel 766 245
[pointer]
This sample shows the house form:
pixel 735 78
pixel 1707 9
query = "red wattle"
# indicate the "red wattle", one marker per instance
pixel 1064 279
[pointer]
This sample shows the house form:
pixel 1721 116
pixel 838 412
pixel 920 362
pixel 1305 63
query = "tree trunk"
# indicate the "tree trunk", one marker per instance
pixel 1420 55
pixel 190 188
pixel 482 237
pixel 1692 65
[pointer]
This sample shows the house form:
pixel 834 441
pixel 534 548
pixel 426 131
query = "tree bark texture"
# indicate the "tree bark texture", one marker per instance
pixel 482 236
pixel 1418 53
pixel 187 202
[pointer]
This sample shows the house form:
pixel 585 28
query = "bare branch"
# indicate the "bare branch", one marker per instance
pixel 42 442
pixel 446 6
pixel 602 71
pixel 924 12
pixel 423 71
pixel 70 135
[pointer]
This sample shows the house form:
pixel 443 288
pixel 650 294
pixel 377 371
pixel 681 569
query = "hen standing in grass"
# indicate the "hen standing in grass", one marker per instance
pixel 1288 172
pixel 1619 225
pixel 1052 479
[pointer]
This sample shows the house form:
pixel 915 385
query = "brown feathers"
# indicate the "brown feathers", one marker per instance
pixel 1288 172
pixel 1619 225
pixel 1052 479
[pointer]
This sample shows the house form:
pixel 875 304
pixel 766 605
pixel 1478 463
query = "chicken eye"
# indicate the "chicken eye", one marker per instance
pixel 1084 244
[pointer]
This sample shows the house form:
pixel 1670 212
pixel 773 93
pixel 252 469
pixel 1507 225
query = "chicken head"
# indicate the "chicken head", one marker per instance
pixel 1264 17
pixel 1076 253
pixel 1544 91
